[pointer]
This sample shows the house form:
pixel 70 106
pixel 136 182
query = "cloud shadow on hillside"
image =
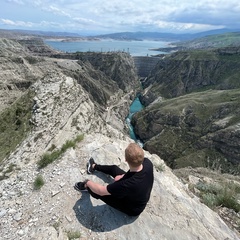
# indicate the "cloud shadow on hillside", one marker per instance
pixel 101 218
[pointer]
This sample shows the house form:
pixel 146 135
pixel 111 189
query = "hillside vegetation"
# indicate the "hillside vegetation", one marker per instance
pixel 197 129
pixel 193 116
pixel 230 39
pixel 208 41
pixel 196 70
pixel 15 124
pixel 22 68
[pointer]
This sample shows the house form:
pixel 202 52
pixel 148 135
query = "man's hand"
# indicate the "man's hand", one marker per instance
pixel 118 177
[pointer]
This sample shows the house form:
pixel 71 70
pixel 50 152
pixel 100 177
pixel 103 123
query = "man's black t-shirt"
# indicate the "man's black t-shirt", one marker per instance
pixel 133 190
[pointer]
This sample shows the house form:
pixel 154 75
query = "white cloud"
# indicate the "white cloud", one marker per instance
pixel 84 21
pixel 16 23
pixel 39 25
pixel 20 2
pixel 56 11
pixel 125 15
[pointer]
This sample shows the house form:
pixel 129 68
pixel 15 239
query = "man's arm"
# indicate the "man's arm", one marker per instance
pixel 97 188
pixel 118 177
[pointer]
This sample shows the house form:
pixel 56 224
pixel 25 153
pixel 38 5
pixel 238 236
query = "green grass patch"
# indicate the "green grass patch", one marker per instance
pixel 214 41
pixel 160 167
pixel 68 144
pixel 79 138
pixel 196 99
pixel 38 183
pixel 216 195
pixel 73 235
pixel 48 158
pixel 14 124
pixel 52 148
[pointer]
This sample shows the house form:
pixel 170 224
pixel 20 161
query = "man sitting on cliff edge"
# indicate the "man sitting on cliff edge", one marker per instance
pixel 130 191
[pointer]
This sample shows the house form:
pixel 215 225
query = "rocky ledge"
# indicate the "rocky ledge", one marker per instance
pixel 57 211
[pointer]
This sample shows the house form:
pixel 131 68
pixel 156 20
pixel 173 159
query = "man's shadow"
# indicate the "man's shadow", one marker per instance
pixel 101 218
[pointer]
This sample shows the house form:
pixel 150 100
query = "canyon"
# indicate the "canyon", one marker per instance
pixel 47 102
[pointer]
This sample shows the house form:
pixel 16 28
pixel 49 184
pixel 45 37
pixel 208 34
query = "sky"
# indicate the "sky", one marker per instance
pixel 88 17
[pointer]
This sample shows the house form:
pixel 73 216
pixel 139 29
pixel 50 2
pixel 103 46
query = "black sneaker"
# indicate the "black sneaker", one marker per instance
pixel 80 186
pixel 90 163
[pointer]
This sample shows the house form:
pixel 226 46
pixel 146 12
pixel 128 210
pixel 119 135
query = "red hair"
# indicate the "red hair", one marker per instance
pixel 134 155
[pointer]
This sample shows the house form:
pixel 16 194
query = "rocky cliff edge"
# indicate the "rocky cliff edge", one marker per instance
pixel 57 211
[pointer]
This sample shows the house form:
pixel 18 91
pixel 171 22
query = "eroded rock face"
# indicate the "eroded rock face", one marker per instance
pixel 187 71
pixel 16 72
pixel 117 66
pixel 227 142
pixel 186 129
pixel 199 129
pixel 22 70
pixel 63 109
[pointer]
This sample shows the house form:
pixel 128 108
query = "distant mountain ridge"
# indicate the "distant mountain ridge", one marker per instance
pixel 163 36
pixel 37 32
pixel 139 36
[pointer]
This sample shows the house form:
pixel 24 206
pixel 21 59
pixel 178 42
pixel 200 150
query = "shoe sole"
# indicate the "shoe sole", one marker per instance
pixel 88 168
pixel 79 190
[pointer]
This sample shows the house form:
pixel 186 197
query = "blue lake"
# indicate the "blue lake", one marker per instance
pixel 135 48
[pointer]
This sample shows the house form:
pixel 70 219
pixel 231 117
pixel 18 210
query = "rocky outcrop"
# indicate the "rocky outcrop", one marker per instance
pixel 117 66
pixel 198 129
pixel 183 72
pixel 62 110
pixel 56 210
pixel 188 130
pixel 20 71
pixel 36 46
